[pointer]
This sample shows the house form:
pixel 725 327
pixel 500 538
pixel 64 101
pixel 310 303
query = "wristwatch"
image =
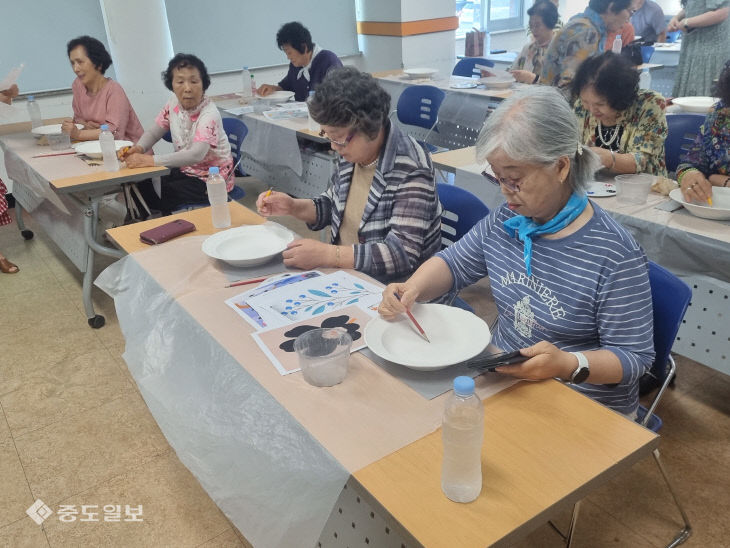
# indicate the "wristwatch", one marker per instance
pixel 582 371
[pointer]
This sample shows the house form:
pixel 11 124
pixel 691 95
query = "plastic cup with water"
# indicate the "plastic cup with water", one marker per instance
pixel 633 188
pixel 324 355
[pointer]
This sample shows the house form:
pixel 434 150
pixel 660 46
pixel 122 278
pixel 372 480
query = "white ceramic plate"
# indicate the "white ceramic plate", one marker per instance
pixel 598 189
pixel 50 129
pixel 720 210
pixel 414 73
pixel 248 245
pixel 456 335
pixel 695 104
pixel 280 96
pixel 497 82
pixel 463 85
pixel 92 149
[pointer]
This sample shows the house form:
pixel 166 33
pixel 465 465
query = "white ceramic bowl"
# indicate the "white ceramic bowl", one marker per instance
pixel 414 73
pixel 50 129
pixel 720 210
pixel 92 149
pixel 497 82
pixel 279 96
pixel 701 105
pixel 248 245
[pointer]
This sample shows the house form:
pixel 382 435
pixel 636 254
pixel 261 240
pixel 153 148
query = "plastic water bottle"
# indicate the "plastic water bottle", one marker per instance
pixel 616 48
pixel 463 433
pixel 108 149
pixel 246 80
pixel 35 112
pixel 645 79
pixel 487 43
pixel 218 198
pixel 311 124
pixel 253 86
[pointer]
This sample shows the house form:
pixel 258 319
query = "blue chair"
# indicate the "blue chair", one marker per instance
pixel 673 36
pixel 465 66
pixel 646 53
pixel 419 106
pixel 683 128
pixel 461 211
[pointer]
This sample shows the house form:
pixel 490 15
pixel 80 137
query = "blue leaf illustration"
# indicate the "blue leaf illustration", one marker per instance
pixel 318 293
pixel 352 301
pixel 360 286
pixel 318 310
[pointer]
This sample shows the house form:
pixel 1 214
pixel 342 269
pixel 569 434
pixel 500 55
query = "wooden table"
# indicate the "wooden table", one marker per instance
pixel 64 193
pixel 371 432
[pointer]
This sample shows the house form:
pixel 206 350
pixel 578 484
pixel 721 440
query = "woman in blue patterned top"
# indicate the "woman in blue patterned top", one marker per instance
pixel 571 284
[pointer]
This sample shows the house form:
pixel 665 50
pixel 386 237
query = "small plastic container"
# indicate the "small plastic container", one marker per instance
pixel 633 188
pixel 324 355
pixel 59 141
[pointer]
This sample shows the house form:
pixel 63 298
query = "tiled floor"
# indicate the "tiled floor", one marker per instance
pixel 75 431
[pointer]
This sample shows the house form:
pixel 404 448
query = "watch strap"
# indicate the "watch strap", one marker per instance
pixel 582 371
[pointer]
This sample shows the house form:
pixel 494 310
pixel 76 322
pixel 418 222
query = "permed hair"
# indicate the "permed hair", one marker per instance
pixel 296 35
pixel 612 76
pixel 95 51
pixel 537 126
pixel 602 6
pixel 350 98
pixel 547 12
pixel 185 60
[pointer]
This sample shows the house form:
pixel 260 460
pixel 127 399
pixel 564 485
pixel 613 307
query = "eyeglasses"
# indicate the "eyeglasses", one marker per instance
pixel 323 133
pixel 512 187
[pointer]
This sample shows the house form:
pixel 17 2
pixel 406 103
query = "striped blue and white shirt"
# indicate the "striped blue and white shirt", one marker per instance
pixel 588 291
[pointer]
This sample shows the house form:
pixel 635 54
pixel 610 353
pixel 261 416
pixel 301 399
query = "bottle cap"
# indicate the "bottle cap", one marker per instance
pixel 31 97
pixel 104 127
pixel 464 386
pixel 245 68
pixel 213 170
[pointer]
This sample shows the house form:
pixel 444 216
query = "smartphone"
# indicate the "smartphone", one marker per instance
pixel 490 362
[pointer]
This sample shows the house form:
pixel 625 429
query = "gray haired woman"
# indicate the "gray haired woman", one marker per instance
pixel 571 285
pixel 382 206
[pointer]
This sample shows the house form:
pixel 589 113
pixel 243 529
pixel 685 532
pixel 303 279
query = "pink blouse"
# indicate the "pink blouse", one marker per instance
pixel 108 106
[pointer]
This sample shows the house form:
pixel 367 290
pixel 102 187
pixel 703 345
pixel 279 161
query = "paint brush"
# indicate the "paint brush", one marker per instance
pixel 246 282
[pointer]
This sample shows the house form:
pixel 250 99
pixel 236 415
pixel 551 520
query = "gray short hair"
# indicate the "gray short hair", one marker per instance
pixel 536 125
pixel 350 98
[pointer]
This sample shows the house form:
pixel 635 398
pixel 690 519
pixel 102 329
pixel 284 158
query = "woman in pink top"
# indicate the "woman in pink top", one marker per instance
pixel 97 99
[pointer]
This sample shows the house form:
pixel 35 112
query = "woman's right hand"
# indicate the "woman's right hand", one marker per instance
pixel 695 187
pixel 673 24
pixel 275 204
pixel 266 89
pixel 125 152
pixel 397 297
pixel 68 126
pixel 523 76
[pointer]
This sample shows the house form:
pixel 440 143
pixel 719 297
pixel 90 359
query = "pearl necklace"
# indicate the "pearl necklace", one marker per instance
pixel 613 137
pixel 371 164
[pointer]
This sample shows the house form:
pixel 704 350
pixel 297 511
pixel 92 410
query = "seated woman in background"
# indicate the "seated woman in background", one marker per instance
pixel 626 126
pixel 708 159
pixel 97 99
pixel 543 18
pixel 308 63
pixel 583 36
pixel 382 206
pixel 6 267
pixel 197 135
pixel 571 284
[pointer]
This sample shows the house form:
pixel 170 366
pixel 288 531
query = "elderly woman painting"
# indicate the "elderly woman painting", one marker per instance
pixel 570 283
pixel 707 163
pixel 583 36
pixel 626 126
pixel 97 99
pixel 528 65
pixel 197 133
pixel 382 206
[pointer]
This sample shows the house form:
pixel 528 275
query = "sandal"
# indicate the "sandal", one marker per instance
pixel 6 267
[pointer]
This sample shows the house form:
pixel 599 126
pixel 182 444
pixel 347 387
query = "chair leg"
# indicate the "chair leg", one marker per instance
pixel 686 531
pixel 571 528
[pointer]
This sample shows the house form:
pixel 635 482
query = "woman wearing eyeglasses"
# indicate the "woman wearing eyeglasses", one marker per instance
pixel 570 283
pixel 382 207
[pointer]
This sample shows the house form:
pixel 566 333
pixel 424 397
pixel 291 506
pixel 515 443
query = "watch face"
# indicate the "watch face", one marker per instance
pixel 581 375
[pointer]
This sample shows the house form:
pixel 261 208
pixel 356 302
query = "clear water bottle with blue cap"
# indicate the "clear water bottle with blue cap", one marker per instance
pixel 108 149
pixel 218 198
pixel 34 111
pixel 246 81
pixel 463 434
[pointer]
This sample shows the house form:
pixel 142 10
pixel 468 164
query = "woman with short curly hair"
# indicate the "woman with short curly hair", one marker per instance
pixel 97 99
pixel 626 126
pixel 381 206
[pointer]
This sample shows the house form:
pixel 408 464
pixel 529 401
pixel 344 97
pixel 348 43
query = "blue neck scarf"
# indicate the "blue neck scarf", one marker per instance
pixel 525 229
pixel 595 18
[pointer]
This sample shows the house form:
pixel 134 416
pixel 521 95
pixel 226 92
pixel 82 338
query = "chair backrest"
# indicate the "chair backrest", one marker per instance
pixel 419 106
pixel 683 128
pixel 236 131
pixel 462 210
pixel 465 67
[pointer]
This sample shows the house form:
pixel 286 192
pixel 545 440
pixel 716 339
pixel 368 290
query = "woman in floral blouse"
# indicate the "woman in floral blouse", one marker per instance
pixel 543 18
pixel 623 124
pixel 708 159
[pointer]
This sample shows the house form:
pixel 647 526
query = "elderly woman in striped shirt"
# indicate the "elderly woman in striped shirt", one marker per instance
pixel 382 206
pixel 571 284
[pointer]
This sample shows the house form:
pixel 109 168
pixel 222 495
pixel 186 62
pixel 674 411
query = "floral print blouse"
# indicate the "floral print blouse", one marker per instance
pixel 710 152
pixel 644 131
pixel 531 58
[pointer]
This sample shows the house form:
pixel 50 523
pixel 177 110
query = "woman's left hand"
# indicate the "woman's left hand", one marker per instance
pixel 140 160
pixel 545 362
pixel 68 126
pixel 524 76
pixel 605 156
pixel 307 254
